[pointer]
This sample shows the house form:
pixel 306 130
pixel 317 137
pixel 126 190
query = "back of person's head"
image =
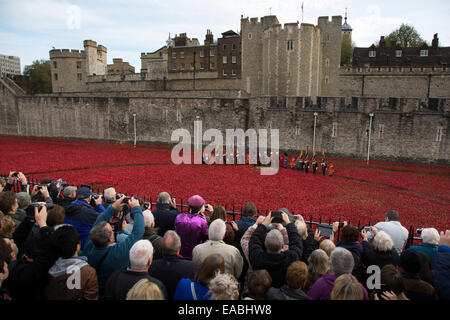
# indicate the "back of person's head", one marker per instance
pixel 70 192
pixel 218 213
pixel 392 215
pixel 392 279
pixel 328 246
pixel 55 216
pixel 301 228
pixel 274 241
pixel 140 254
pixel 258 283
pixel 347 287
pixel 350 234
pixel 341 261
pixel 208 268
pixel 217 230
pixel 229 234
pixel 296 275
pixel 163 198
pixel 410 261
pixel 318 262
pixel 430 236
pixel 223 286
pixel 110 194
pixel 23 199
pixel 7 200
pixel 144 289
pixel 149 219
pixel 172 243
pixel 100 234
pixel 249 210
pixel 65 239
pixel 46 180
pixel 382 241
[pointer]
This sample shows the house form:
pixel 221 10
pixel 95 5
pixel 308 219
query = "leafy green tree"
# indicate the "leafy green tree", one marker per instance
pixel 346 50
pixel 40 76
pixel 406 35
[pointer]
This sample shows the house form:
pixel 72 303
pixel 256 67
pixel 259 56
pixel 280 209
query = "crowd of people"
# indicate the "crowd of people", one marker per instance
pixel 61 242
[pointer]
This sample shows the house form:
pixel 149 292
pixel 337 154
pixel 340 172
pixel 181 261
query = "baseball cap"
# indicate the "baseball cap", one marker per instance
pixel 85 192
pixel 196 201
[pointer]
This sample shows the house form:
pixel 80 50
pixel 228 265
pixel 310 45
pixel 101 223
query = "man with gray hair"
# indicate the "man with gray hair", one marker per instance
pixel 120 282
pixel 109 195
pixel 151 234
pixel 69 195
pixel 165 213
pixel 275 261
pixel 215 244
pixel 341 262
pixel 171 268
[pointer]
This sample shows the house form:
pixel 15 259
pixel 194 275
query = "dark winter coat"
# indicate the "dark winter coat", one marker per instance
pixel 164 217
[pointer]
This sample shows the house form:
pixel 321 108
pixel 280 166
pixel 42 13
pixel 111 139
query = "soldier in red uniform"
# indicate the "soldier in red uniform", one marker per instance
pixel 330 170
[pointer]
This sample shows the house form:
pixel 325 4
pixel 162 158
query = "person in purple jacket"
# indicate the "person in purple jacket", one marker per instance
pixel 341 262
pixel 192 227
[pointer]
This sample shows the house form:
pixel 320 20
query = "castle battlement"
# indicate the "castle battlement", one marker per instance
pixel 66 53
pixel 325 20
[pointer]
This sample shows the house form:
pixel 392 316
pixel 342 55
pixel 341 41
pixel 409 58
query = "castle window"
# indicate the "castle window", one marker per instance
pixel 182 67
pixel 78 64
pixel 398 53
pixel 211 65
pixel 224 47
pixel 249 35
pixel 233 72
pixel 178 115
pixel 56 76
pixel 424 53
pixel 202 65
pixel 290 45
pixel 224 73
pixel 174 55
pixel 297 130
pixel 327 62
pixel 54 64
pixel 182 54
pixel 174 66
pixel 192 66
pixel 233 46
pixel 202 53
pixel 439 133
pixel 224 59
pixel 334 130
pixel 79 76
pixel 326 80
pixel 211 53
pixel 372 54
pixel 380 131
pixel 233 59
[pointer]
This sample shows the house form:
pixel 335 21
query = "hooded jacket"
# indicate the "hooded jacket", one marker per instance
pixel 57 288
pixel 193 230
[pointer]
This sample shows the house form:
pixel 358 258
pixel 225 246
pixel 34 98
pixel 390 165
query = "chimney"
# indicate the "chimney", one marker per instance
pixel 435 41
pixel 382 41
pixel 209 38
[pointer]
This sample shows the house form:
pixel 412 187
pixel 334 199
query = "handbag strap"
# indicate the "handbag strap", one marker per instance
pixel 194 295
pixel 99 264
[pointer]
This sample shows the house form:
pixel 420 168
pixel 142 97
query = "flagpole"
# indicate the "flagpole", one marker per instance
pixel 302 12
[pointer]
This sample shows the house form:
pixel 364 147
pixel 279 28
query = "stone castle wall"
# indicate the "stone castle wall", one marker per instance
pixel 402 131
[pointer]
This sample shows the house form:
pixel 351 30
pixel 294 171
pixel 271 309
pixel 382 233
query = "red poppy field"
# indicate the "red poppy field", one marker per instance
pixel 357 192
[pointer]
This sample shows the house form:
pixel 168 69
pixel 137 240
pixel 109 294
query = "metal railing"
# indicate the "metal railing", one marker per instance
pixel 233 213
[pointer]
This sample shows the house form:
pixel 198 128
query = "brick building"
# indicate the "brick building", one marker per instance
pixel 229 55
pixel 397 56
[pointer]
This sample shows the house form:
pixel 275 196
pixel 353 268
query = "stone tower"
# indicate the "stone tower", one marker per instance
pixel 68 70
pixel 96 62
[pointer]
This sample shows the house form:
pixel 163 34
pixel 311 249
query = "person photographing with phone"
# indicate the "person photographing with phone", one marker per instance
pixel 265 248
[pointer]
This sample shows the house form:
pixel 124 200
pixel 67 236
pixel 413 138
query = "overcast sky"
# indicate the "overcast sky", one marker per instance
pixel 29 28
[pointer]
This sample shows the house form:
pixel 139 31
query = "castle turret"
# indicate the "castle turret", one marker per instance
pixel 96 58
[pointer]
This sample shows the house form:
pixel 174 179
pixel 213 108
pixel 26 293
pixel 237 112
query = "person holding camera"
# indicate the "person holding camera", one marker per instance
pixel 16 182
pixel 265 250
pixel 165 213
pixel 102 251
pixel 40 193
pixel 82 215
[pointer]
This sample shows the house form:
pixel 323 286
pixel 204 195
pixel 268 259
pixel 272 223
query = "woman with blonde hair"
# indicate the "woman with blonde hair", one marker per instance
pixel 145 290
pixel 224 286
pixel 318 265
pixel 380 251
pixel 347 287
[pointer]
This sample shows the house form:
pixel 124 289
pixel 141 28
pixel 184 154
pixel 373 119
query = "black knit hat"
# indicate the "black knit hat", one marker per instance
pixel 410 261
